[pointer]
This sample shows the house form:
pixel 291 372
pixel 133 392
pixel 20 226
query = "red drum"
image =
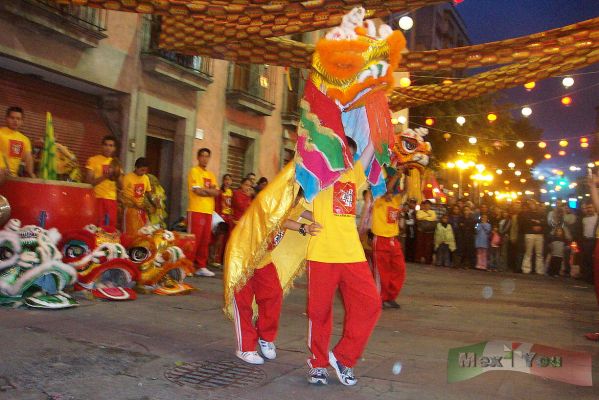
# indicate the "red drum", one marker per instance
pixel 50 204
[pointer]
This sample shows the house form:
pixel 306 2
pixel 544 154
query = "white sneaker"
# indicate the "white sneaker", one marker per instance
pixel 204 272
pixel 267 349
pixel 251 357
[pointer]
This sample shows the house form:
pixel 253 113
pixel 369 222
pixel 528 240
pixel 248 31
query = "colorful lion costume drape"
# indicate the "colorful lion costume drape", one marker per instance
pixel 345 96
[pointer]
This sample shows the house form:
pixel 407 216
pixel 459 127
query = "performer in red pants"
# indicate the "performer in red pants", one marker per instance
pixel 265 288
pixel 336 260
pixel 388 259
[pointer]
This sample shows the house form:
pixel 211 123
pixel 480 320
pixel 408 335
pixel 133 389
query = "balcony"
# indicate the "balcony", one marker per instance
pixel 252 88
pixel 191 72
pixel 81 26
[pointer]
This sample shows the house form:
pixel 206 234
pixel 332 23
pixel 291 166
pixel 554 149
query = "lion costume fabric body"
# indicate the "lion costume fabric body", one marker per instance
pixel 345 96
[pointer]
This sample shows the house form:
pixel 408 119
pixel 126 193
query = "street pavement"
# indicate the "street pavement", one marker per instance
pixel 133 350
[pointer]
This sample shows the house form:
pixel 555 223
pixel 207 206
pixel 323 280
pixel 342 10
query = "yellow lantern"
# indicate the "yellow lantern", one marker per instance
pixel 529 161
pixel 492 117
pixel 429 121
pixel 447 136
pixel 542 145
pixel 404 82
pixel 547 156
pixel 529 86
pixel 566 100
pixel 563 143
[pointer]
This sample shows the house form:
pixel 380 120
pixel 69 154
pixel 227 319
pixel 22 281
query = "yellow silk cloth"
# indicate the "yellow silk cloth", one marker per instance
pixel 249 241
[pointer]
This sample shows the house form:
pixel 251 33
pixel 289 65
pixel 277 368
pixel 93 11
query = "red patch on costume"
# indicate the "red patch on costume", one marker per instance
pixel 105 169
pixel 207 183
pixel 392 214
pixel 138 190
pixel 15 148
pixel 344 198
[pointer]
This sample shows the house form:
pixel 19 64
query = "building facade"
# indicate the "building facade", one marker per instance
pixel 99 72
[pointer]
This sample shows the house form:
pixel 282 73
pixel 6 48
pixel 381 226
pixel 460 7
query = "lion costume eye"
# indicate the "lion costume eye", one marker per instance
pixel 138 254
pixel 6 252
pixel 409 145
pixel 75 249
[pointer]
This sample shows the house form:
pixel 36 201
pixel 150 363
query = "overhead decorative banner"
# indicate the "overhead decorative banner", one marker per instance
pixel 547 362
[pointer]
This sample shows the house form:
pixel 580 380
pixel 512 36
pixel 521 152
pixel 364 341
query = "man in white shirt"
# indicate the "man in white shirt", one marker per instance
pixel 589 233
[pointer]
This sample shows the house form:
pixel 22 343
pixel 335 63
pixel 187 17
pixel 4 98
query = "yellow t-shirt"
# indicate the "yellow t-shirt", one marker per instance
pixel 335 209
pixel 385 217
pixel 107 188
pixel 135 187
pixel 13 146
pixel 227 198
pixel 204 179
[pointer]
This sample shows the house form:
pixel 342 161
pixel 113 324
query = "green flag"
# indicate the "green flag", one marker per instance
pixel 48 163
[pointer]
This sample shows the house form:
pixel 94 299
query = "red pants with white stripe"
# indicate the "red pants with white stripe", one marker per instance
pixel 106 212
pixel 200 225
pixel 265 287
pixel 362 309
pixel 390 265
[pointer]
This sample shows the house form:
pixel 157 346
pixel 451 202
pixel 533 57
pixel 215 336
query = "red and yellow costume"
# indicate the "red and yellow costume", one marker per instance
pixel 105 191
pixel 135 188
pixel 388 259
pixel 13 147
pixel 199 212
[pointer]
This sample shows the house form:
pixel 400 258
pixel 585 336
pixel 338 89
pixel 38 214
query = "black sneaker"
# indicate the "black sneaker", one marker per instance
pixel 318 376
pixel 345 374
pixel 391 304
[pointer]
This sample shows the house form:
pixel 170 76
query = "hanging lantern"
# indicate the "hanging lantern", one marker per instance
pixel 529 161
pixel 429 121
pixel 517 172
pixel 460 120
pixel 526 111
pixel 584 140
pixel 506 182
pixel 512 165
pixel 402 119
pixel 542 145
pixel 568 81
pixel 394 121
pixel 492 117
pixel 497 144
pixel 472 140
pixel 406 23
pixel 566 100
pixel 404 82
pixel 522 180
pixel 584 145
pixel 520 145
pixel 562 153
pixel 447 81
pixel 447 136
pixel 547 156
pixel 529 86
pixel 563 143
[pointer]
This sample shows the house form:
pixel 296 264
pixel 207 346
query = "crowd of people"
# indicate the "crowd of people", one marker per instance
pixel 523 236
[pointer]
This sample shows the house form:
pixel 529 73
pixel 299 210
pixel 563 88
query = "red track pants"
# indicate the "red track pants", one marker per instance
pixel 390 265
pixel 362 309
pixel 106 212
pixel 265 287
pixel 596 271
pixel 200 225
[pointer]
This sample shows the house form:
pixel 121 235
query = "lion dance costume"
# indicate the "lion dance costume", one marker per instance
pixel 345 97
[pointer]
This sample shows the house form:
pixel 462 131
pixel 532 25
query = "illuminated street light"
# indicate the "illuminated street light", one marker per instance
pixel 568 82
pixel 520 145
pixel 526 111
pixel 472 140
pixel 406 23
pixel 512 165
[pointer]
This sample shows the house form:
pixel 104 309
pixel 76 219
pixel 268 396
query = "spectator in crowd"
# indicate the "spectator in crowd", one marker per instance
pixel 202 189
pixel 515 243
pixel 410 221
pixel 455 219
pixel 483 232
pixel 557 249
pixel 444 242
pixel 224 208
pixel 426 223
pixel 504 227
pixel 593 182
pixel 495 248
pixel 242 198
pixel 590 223
pixel 104 173
pixel 136 188
pixel 15 148
pixel 252 177
pixel 262 182
pixel 467 236
pixel 533 226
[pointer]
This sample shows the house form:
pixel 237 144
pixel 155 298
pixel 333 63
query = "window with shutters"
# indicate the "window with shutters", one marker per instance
pixel 252 88
pixel 237 157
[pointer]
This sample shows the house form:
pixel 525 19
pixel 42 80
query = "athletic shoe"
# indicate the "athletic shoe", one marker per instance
pixel 251 357
pixel 345 374
pixel 318 376
pixel 268 349
pixel 204 272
